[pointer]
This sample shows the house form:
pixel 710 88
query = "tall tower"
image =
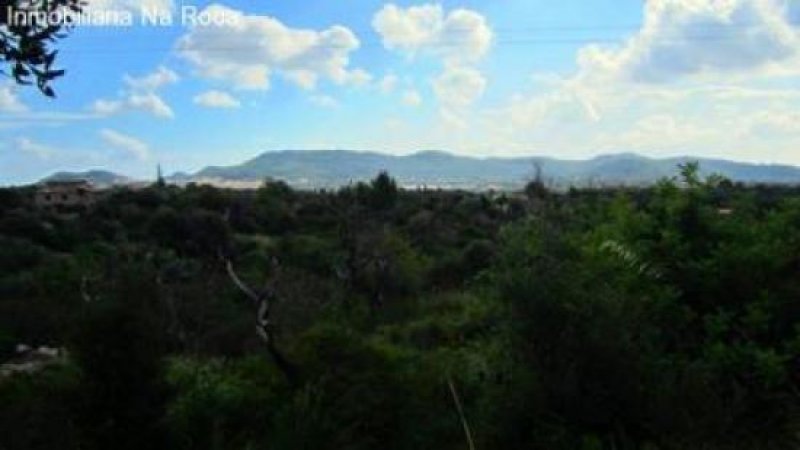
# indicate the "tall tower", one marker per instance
pixel 160 177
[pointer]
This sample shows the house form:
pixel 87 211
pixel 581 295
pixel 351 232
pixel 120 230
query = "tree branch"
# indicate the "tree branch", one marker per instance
pixel 263 301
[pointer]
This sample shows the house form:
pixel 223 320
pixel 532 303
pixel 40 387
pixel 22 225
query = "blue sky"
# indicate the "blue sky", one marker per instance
pixel 570 79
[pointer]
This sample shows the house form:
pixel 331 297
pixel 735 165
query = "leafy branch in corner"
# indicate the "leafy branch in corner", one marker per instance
pixel 26 45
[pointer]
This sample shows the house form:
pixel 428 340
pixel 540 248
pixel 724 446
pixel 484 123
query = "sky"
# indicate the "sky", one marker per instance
pixel 569 79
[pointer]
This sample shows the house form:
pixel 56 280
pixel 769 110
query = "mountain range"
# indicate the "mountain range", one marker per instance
pixel 333 168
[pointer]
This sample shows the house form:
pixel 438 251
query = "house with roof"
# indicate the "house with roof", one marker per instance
pixel 66 195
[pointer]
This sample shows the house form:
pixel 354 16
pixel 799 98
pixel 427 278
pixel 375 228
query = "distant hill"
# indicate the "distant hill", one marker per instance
pixel 331 168
pixel 100 178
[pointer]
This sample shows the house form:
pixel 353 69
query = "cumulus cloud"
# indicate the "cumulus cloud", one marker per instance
pixel 459 86
pixel 148 103
pixel 248 49
pixel 140 96
pixel 681 38
pixel 128 145
pixel 162 76
pixel 687 82
pixel 459 38
pixel 217 99
pixel 745 122
pixel 714 78
pixel 9 101
pixel 460 35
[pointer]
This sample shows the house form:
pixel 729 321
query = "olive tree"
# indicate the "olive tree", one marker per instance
pixel 26 46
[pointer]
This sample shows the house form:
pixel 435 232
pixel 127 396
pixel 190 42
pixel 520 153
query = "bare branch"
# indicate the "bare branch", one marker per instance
pixel 263 301
pixel 240 284
pixel 87 298
pixel 461 415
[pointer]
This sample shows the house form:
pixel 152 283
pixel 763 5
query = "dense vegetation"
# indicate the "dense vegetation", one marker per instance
pixel 659 318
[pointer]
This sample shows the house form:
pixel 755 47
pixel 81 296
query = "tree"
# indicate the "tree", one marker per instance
pixel 536 188
pixel 274 206
pixel 119 344
pixel 25 45
pixel 384 191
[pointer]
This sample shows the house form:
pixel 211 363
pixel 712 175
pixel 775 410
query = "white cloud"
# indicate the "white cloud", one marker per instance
pixel 659 132
pixel 729 92
pixel 412 98
pixel 324 101
pixel 666 91
pixel 104 107
pixel 358 77
pixel 217 99
pixel 682 38
pixel 140 96
pixel 459 36
pixel 746 122
pixel 9 101
pixel 661 93
pixel 388 83
pixel 33 148
pixel 162 76
pixel 128 145
pixel 409 29
pixel 459 87
pixel 250 48
pixel 40 119
pixel 453 121
pixel 148 103
pixel 774 123
pixel 152 104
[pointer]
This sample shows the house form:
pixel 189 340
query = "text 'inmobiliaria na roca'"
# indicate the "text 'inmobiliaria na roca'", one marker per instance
pixel 186 15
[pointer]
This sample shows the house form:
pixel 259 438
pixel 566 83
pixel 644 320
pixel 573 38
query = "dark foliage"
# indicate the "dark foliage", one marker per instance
pixel 26 45
pixel 660 318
